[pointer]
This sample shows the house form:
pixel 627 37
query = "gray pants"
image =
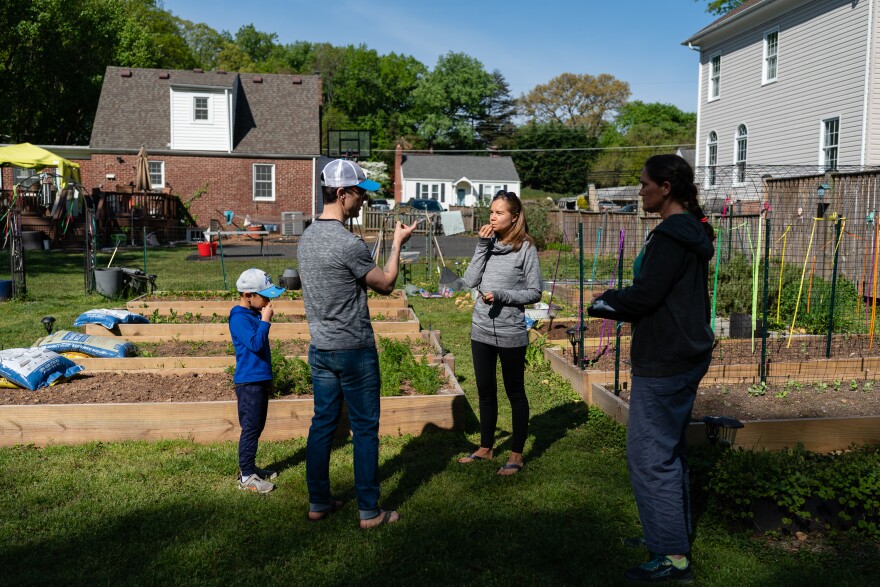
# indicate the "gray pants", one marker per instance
pixel 656 456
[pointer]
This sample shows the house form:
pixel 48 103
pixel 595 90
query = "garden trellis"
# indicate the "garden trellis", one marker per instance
pixel 797 255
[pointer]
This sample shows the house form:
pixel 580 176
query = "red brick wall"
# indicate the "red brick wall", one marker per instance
pixel 228 182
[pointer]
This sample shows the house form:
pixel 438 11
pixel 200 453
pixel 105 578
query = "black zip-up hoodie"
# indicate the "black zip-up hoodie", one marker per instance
pixel 669 300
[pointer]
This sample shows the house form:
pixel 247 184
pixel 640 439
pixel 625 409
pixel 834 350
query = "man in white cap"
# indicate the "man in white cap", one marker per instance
pixel 336 268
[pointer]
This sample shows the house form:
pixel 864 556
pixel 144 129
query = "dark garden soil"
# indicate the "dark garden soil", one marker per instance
pixel 782 401
pixel 135 387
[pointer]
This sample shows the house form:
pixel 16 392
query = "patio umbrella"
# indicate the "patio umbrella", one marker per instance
pixel 142 172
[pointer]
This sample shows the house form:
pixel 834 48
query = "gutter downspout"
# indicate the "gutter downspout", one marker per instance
pixel 865 100
pixel 699 110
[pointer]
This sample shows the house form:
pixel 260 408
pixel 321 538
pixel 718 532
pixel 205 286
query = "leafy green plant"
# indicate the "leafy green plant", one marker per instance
pixel 792 479
pixel 535 352
pixel 853 385
pixel 398 365
pixel 291 375
pixel 868 385
pixel 758 389
pixel 820 386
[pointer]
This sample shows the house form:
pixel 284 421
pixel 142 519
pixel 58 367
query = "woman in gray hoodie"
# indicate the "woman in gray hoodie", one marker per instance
pixel 506 274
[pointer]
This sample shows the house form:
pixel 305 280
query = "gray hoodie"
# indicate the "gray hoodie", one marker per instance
pixel 514 278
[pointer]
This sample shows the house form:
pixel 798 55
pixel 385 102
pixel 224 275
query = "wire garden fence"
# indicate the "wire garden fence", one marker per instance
pixel 794 278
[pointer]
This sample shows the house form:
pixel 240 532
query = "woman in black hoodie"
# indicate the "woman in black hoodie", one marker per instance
pixel 668 304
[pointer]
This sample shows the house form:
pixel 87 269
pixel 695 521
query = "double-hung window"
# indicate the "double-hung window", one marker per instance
pixel 771 56
pixel 715 77
pixel 201 108
pixel 742 152
pixel 157 175
pixel 711 159
pixel 830 143
pixel 264 182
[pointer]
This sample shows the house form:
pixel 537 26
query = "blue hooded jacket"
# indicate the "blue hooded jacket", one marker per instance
pixel 250 337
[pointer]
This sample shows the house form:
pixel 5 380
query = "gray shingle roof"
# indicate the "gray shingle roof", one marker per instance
pixel 454 167
pixel 730 15
pixel 276 116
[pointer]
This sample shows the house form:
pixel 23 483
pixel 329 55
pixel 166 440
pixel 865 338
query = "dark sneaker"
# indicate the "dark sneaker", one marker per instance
pixel 265 474
pixel 658 570
pixel 255 484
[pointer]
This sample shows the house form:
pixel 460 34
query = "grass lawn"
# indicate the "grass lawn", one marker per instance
pixel 170 512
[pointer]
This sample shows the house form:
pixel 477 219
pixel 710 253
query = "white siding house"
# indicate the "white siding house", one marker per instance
pixel 457 180
pixel 789 82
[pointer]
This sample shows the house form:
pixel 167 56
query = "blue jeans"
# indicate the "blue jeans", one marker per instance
pixel 352 375
pixel 253 405
pixel 656 456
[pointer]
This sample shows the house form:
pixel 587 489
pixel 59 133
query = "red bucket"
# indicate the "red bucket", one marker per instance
pixel 205 249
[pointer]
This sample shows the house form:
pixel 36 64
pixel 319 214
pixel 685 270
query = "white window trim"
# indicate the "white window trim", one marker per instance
pixel 162 173
pixel 709 164
pixel 254 182
pixel 822 139
pixel 764 79
pixel 711 77
pixel 210 118
pixel 736 161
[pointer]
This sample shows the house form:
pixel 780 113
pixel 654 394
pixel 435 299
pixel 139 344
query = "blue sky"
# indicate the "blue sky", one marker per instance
pixel 637 41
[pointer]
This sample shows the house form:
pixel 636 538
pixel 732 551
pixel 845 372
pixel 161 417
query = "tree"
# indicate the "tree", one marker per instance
pixel 576 100
pixel 639 127
pixel 496 128
pixel 721 6
pixel 53 54
pixel 257 45
pixel 546 158
pixel 451 99
pixel 204 42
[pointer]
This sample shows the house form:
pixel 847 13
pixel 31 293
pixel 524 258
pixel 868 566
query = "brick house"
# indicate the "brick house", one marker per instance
pixel 218 140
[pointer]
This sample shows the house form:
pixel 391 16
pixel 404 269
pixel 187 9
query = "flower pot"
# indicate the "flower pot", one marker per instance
pixel 205 249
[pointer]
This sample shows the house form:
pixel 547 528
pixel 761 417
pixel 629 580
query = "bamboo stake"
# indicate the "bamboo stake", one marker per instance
pixel 801 287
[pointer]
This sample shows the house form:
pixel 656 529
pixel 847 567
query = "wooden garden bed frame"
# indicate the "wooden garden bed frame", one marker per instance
pixel 396 301
pixel 212 421
pixel 397 329
pixel 820 435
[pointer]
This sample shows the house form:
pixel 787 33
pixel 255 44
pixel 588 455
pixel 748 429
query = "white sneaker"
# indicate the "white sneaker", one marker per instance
pixel 255 484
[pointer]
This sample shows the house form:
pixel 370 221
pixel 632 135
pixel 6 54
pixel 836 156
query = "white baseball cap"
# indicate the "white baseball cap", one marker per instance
pixel 342 173
pixel 258 281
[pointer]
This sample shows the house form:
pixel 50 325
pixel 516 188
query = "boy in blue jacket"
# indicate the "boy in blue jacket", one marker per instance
pixel 249 323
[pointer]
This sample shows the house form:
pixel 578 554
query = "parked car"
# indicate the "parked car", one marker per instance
pixel 422 204
pixel 418 207
pixel 628 209
pixel 607 206
pixel 380 204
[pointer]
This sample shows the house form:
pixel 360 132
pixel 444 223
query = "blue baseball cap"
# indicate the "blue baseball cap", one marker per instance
pixel 258 282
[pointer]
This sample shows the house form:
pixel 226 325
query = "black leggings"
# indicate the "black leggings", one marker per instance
pixel 513 366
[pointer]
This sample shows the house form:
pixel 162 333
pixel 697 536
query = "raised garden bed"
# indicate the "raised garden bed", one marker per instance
pixel 767 425
pixel 191 406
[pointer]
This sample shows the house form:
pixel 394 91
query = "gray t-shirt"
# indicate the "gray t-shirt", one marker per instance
pixel 332 264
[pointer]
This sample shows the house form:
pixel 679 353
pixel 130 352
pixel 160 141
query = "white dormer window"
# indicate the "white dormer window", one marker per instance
pixel 201 108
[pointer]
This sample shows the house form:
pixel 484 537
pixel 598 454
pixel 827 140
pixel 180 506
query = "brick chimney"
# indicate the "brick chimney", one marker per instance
pixel 398 174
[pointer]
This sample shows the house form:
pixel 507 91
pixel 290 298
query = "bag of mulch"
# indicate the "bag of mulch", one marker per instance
pixel 64 341
pixel 34 367
pixel 109 318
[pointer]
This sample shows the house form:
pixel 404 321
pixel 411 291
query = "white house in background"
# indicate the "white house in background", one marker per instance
pixel 788 82
pixel 456 180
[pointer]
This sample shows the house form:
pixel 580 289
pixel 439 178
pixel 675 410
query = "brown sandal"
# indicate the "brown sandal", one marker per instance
pixel 323 515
